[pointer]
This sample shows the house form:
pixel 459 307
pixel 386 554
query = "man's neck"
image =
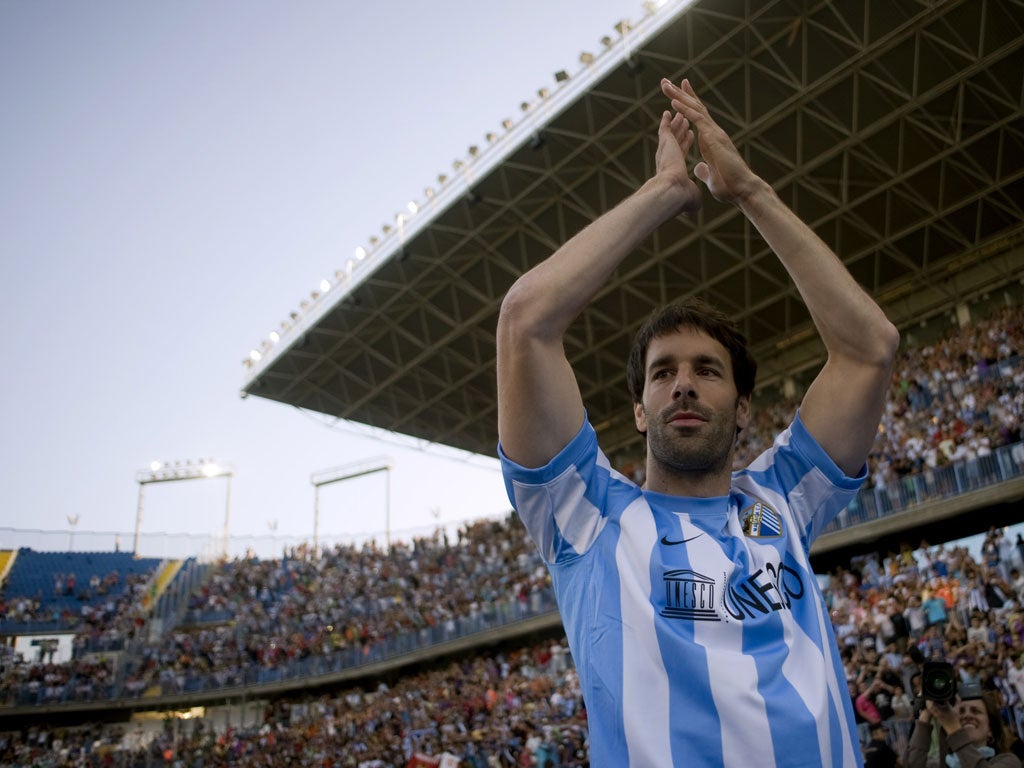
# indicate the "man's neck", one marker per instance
pixel 696 484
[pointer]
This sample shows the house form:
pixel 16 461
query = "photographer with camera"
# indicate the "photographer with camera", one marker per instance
pixel 971 731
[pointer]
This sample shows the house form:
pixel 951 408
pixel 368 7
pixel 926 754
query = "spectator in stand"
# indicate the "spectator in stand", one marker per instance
pixel 877 752
pixel 971 733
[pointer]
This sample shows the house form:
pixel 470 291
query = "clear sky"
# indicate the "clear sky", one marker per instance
pixel 174 178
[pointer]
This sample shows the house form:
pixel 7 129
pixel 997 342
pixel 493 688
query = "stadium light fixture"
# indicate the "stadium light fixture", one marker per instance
pixel 325 285
pixel 169 472
pixel 350 472
pixel 507 124
pixel 586 58
pixel 360 252
pixel 413 207
pixel 561 76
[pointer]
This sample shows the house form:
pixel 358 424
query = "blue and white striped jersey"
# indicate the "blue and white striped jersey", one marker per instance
pixel 698 629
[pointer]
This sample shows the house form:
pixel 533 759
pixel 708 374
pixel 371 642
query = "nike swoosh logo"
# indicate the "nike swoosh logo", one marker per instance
pixel 665 540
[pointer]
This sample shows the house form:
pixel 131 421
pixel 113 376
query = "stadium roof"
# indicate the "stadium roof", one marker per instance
pixel 894 127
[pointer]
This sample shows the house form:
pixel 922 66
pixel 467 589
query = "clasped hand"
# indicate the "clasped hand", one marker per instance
pixel 722 169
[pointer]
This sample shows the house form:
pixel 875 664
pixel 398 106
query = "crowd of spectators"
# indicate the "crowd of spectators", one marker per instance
pixel 891 612
pixel 349 599
pixel 508 708
pixel 953 400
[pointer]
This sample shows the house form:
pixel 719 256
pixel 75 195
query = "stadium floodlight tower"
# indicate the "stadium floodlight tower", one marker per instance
pixel 350 472
pixel 173 471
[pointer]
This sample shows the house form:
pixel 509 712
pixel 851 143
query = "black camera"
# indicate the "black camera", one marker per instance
pixel 939 682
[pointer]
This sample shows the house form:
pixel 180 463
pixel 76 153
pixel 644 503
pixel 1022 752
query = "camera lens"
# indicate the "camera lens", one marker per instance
pixel 938 682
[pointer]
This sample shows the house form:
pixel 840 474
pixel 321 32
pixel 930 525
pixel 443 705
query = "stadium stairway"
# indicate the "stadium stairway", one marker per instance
pixel 165 574
pixel 7 558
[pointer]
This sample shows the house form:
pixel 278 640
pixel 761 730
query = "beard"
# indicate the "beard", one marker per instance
pixel 706 449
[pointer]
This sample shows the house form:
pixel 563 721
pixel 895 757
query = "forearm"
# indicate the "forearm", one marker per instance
pixel 546 300
pixel 848 320
pixel 920 743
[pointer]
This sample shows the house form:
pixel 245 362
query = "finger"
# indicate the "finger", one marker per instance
pixel 687 142
pixel 703 172
pixel 681 130
pixel 669 88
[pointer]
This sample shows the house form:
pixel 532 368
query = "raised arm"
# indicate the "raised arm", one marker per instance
pixel 844 404
pixel 539 404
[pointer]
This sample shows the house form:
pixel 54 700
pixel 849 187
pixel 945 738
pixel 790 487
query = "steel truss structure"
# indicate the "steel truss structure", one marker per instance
pixel 895 128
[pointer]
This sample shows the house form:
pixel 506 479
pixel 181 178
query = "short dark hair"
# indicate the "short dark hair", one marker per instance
pixel 697 314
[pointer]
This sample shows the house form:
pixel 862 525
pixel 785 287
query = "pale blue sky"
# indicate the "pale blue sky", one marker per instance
pixel 174 178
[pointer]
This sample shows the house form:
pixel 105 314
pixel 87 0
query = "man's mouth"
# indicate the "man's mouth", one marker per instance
pixel 686 419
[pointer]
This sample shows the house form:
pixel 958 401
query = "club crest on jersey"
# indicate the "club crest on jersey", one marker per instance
pixel 759 521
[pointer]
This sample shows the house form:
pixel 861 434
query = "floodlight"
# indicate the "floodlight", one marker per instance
pixel 255 356
pixel 412 206
pixel 507 124
pixel 491 138
pixel 474 151
pixel 586 58
pixel 164 472
pixel 561 76
pixel 275 336
pixel 325 286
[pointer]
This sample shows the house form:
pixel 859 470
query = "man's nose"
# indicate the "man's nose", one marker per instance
pixel 684 386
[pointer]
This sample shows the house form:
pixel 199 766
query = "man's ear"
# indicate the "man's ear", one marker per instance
pixel 640 418
pixel 742 413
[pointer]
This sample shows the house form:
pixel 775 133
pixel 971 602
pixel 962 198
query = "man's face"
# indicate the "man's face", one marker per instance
pixel 690 409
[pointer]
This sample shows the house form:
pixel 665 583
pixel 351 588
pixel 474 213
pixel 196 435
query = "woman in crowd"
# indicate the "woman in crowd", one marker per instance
pixel 971 734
